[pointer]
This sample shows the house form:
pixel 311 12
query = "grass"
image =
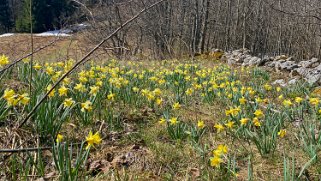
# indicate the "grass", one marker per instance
pixel 150 116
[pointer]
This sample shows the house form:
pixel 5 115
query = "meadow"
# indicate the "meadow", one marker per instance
pixel 157 120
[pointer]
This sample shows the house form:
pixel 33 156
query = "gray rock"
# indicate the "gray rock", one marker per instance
pixel 293 81
pixel 314 62
pixel 278 82
pixel 288 65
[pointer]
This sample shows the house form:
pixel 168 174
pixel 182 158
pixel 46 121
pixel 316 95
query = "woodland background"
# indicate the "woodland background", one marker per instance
pixel 180 27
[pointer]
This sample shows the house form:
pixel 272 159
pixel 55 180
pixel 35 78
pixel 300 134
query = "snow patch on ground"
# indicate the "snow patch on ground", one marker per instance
pixel 55 33
pixel 6 35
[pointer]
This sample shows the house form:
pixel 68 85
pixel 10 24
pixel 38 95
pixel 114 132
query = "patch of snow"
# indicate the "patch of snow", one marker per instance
pixel 79 27
pixel 55 33
pixel 7 34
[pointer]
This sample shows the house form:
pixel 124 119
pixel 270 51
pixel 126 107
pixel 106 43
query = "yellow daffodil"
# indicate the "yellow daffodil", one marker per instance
pixel 86 106
pixel 314 101
pixel 52 93
pixel 111 96
pixel 80 87
pixel 258 113
pixel 68 102
pixel 63 91
pixel 59 138
pixel 244 121
pixel 37 66
pixel 200 124
pixel 229 124
pixel 162 121
pixel 298 100
pixel 94 90
pixel 282 133
pixel 219 127
pixel 93 139
pixel 287 103
pixel 256 122
pixel 4 60
pixel 215 161
pixel 173 121
pixel 176 106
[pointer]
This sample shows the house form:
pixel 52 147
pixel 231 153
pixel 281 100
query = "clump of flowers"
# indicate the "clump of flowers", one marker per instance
pixel 218 155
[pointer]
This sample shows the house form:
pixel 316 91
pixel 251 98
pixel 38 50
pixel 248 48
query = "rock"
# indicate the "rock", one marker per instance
pixel 281 58
pixel 287 65
pixel 293 81
pixel 280 82
pixel 314 62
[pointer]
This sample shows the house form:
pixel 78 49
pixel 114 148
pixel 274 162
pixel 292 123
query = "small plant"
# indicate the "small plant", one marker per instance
pixel 71 168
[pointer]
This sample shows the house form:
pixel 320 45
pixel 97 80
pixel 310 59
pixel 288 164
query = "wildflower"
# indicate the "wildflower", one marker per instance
pixel 189 91
pixel 50 70
pixel 280 97
pixel 63 91
pixel 176 106
pixel 244 121
pixel 219 127
pixel 162 121
pixel 94 90
pixel 258 113
pixel 12 101
pixel 287 103
pixel 80 87
pixel 86 106
pixel 267 87
pixel 59 138
pixel 278 89
pixel 157 92
pixel 4 60
pixel 256 122
pixel 298 100
pixel 229 124
pixel 173 121
pixel 68 102
pixel 135 89
pixel 99 83
pixel 37 66
pixel 222 148
pixel 8 93
pixel 159 101
pixel 93 139
pixel 314 101
pixel 111 96
pixel 282 133
pixel 24 99
pixel 200 124
pixel 215 161
pixel 52 93
pixel 242 100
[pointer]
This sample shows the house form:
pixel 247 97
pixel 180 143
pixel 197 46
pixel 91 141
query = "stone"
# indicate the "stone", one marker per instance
pixel 314 62
pixel 288 65
pixel 279 82
pixel 293 81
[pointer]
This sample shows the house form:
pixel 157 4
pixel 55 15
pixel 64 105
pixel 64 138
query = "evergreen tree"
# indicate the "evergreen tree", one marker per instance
pixel 46 15
pixel 5 16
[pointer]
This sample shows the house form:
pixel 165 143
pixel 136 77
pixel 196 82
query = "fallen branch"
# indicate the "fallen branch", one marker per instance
pixel 31 149
pixel 28 55
pixel 84 60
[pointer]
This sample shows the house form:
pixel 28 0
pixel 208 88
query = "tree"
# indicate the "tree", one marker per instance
pixel 46 15
pixel 5 16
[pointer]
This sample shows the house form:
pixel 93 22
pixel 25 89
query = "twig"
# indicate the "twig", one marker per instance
pixel 84 60
pixel 28 55
pixel 30 149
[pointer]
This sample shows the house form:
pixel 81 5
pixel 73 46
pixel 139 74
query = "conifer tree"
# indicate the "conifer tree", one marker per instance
pixel 5 16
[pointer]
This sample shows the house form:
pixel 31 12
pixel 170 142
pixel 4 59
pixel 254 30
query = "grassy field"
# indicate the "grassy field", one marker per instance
pixel 157 120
